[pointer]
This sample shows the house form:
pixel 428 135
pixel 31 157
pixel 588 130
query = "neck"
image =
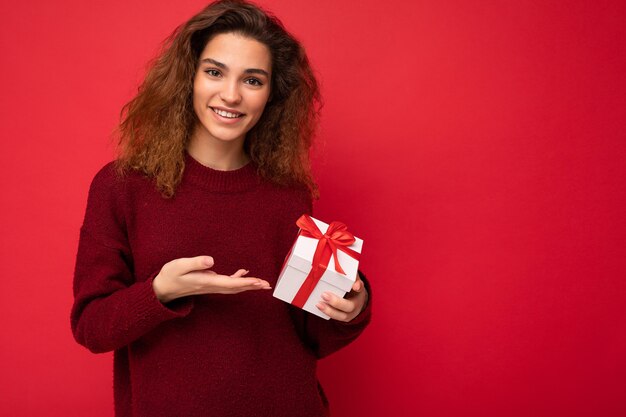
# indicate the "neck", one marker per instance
pixel 217 154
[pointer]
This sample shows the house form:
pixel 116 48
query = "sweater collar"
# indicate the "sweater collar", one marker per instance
pixel 235 180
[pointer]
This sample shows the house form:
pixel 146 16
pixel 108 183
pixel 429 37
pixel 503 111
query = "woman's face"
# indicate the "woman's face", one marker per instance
pixel 231 87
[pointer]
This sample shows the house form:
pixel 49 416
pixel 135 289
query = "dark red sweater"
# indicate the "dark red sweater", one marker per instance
pixel 248 354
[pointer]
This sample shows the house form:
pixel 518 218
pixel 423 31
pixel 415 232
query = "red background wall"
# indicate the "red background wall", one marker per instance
pixel 478 147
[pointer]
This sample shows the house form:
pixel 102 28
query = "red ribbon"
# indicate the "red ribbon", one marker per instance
pixel 337 237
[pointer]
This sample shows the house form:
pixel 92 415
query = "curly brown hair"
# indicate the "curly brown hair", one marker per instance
pixel 156 125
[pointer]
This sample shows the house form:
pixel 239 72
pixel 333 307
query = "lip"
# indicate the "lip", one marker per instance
pixel 226 120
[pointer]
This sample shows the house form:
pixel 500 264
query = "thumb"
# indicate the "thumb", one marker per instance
pixel 197 263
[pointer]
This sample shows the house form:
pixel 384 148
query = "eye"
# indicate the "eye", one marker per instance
pixel 212 72
pixel 255 81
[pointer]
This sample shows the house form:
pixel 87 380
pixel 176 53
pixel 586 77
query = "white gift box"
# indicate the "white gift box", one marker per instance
pixel 297 267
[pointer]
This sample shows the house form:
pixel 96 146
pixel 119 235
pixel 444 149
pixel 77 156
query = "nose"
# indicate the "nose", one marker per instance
pixel 230 92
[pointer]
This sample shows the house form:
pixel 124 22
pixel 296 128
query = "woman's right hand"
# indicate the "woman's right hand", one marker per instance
pixel 191 276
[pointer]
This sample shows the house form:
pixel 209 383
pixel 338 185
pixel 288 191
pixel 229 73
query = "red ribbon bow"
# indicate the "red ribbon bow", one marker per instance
pixel 337 237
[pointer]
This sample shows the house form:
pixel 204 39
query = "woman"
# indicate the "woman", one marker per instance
pixel 212 174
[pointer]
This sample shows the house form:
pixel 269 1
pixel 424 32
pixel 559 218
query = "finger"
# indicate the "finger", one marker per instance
pixel 243 289
pixel 240 273
pixel 333 313
pixel 186 265
pixel 338 303
pixel 209 277
pixel 358 284
pixel 229 282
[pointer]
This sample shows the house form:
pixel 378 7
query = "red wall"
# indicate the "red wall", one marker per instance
pixel 478 147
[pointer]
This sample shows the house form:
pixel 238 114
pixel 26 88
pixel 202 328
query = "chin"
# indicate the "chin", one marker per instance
pixel 220 133
pixel 228 138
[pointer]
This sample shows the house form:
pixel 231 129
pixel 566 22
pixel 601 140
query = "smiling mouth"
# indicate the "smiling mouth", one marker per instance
pixel 227 114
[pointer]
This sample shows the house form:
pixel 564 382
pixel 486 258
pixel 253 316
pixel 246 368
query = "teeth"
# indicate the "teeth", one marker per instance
pixel 225 113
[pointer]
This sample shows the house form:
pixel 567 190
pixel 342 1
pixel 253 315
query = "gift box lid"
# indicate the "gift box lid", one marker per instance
pixel 304 249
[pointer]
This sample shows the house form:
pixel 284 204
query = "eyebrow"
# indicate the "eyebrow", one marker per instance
pixel 247 71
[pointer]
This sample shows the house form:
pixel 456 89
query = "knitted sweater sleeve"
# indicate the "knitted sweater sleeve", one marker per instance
pixel 322 336
pixel 111 308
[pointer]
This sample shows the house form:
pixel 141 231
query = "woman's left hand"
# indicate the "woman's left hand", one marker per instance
pixel 345 309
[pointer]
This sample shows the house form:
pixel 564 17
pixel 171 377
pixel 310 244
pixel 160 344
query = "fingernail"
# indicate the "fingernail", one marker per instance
pixel 326 296
pixel 320 306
